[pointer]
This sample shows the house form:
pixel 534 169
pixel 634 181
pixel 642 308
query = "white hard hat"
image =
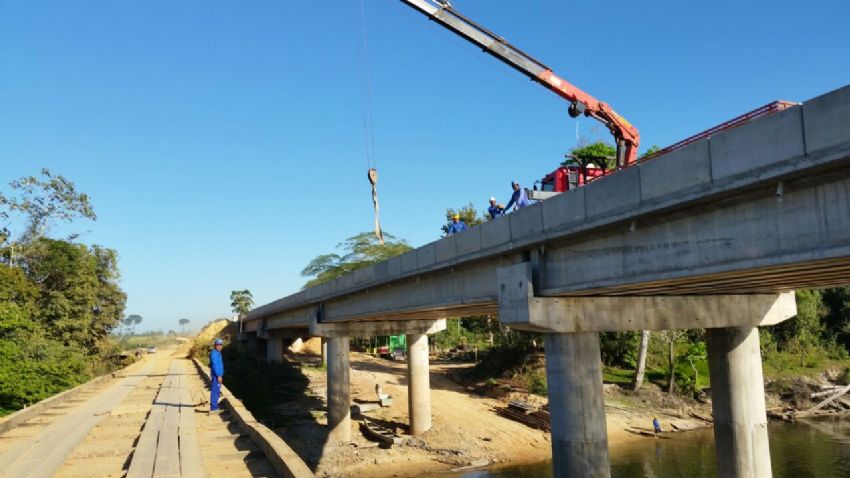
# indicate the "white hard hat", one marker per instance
pixel 492 198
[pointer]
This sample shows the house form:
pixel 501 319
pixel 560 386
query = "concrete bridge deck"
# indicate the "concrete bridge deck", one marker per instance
pixel 762 208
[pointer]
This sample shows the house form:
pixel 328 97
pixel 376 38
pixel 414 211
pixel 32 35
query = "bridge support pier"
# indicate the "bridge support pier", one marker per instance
pixel 274 350
pixel 324 352
pixel 737 397
pixel 576 405
pixel 339 404
pixel 418 384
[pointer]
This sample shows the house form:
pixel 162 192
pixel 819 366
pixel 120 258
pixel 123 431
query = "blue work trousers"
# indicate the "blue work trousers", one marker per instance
pixel 215 390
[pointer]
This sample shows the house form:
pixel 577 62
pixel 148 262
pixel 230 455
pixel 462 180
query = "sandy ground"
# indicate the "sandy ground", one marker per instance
pixel 465 431
pixel 107 449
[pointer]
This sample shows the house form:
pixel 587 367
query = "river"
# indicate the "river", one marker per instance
pixel 819 449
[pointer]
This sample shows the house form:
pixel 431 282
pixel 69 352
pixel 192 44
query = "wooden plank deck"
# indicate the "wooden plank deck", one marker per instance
pixel 168 446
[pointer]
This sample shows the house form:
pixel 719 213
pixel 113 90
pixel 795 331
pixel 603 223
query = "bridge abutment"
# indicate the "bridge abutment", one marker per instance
pixel 339 403
pixel 576 405
pixel 418 384
pixel 737 398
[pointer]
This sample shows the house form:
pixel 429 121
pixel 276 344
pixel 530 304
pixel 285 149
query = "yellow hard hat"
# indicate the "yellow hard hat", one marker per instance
pixel 456 216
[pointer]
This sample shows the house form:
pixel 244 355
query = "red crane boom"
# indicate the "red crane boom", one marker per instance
pixel 625 134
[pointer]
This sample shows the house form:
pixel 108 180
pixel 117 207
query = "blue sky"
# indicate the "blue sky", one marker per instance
pixel 222 142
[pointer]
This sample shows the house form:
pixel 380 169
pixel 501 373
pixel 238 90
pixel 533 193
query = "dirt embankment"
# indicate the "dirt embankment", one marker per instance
pixel 465 431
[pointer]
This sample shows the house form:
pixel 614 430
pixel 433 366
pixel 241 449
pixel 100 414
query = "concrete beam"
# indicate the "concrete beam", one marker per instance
pixel 364 329
pixel 292 333
pixel 519 308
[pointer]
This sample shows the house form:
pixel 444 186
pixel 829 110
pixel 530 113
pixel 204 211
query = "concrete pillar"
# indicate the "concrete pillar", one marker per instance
pixel 339 406
pixel 576 405
pixel 274 350
pixel 737 399
pixel 324 352
pixel 418 384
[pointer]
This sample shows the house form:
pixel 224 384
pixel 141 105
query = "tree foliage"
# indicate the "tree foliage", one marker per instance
pixel 43 200
pixel 241 301
pixel 354 253
pixel 468 214
pixel 598 152
pixel 58 299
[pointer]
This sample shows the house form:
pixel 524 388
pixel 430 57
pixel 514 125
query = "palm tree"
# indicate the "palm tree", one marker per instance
pixel 183 323
pixel 241 302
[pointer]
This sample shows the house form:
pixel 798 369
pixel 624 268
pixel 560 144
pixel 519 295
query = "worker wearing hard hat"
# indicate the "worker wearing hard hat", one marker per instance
pixel 519 198
pixel 495 210
pixel 216 372
pixel 457 225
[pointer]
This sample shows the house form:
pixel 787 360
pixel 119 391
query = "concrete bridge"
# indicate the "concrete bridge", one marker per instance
pixel 716 235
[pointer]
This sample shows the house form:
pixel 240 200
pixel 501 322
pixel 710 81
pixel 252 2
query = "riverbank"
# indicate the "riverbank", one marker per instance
pixel 466 431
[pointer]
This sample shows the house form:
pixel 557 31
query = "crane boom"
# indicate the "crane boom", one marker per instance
pixel 626 136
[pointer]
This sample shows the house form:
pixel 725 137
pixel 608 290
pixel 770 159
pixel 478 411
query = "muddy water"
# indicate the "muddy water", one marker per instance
pixel 805 450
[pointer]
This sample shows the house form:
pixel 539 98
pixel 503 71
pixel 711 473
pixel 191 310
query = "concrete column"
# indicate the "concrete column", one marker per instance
pixel 274 350
pixel 577 405
pixel 324 352
pixel 737 399
pixel 418 384
pixel 339 406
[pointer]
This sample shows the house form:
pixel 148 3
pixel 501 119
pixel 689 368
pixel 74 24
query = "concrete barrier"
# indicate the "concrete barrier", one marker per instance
pixel 283 458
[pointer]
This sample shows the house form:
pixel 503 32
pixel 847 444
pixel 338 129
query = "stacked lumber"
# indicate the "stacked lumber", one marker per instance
pixel 526 414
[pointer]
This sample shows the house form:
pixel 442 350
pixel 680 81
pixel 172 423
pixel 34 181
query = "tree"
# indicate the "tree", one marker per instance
pixel 44 200
pixel 356 252
pixel 671 338
pixel 241 302
pixel 640 370
pixel 468 214
pixel 599 153
pixel 183 323
pixel 132 321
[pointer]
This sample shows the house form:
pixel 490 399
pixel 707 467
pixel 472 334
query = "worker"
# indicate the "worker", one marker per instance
pixel 457 225
pixel 216 372
pixel 518 199
pixel 495 210
pixel 657 425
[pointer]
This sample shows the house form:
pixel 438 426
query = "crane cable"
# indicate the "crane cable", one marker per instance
pixel 368 132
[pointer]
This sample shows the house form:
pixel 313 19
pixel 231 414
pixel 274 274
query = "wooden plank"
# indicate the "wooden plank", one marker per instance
pixel 191 461
pixel 167 463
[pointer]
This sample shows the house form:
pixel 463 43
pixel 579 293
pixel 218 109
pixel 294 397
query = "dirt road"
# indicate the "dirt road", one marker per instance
pixel 150 421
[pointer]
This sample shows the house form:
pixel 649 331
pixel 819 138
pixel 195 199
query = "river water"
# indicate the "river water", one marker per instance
pixel 819 449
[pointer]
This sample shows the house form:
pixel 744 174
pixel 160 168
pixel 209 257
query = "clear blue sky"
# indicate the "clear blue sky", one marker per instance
pixel 222 142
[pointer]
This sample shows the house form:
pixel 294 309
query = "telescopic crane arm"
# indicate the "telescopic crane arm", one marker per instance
pixel 581 103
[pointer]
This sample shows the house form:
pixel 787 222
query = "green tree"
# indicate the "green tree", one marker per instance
pixel 650 151
pixel 183 323
pixel 43 200
pixel 241 302
pixel 599 153
pixel 355 252
pixel 836 322
pixel 132 321
pixel 468 214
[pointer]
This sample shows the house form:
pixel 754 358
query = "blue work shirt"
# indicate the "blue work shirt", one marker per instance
pixel 520 198
pixel 216 364
pixel 495 211
pixel 457 227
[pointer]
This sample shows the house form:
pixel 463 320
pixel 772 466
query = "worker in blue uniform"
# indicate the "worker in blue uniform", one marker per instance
pixel 457 225
pixel 216 372
pixel 495 210
pixel 518 198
